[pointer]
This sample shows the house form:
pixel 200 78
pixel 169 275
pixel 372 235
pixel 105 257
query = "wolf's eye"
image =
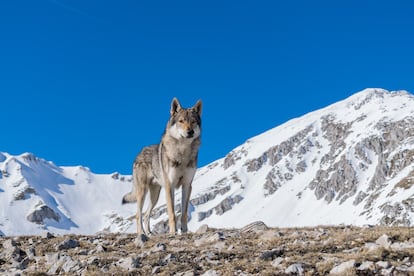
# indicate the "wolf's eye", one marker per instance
pixel 181 121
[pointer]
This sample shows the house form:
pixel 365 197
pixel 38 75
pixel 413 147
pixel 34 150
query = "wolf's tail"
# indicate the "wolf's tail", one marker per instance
pixel 129 198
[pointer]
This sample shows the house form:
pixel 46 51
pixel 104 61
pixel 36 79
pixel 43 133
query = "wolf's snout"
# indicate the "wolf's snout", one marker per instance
pixel 190 133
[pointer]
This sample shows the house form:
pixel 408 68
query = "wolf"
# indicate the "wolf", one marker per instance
pixel 170 164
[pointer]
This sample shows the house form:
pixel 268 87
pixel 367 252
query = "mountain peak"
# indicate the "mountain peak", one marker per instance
pixel 379 93
pixel 376 96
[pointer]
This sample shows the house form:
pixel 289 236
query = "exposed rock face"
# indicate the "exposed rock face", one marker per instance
pixel 232 157
pixel 211 195
pixel 295 145
pixel 384 151
pixel 341 178
pixel 227 204
pixel 24 193
pixel 41 213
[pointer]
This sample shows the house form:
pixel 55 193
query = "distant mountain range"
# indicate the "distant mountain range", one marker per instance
pixel 348 163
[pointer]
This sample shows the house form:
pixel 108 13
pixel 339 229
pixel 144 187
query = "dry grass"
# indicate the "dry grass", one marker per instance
pixel 317 249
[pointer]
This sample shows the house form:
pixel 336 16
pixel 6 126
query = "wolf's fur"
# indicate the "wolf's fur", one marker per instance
pixel 170 164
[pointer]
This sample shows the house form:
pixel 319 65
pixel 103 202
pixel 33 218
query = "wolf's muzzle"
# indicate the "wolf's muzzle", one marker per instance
pixel 190 133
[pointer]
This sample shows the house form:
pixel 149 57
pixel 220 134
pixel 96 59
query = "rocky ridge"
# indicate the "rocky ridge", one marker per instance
pixel 252 250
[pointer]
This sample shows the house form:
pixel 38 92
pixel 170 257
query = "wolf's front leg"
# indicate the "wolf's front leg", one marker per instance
pixel 185 198
pixel 169 192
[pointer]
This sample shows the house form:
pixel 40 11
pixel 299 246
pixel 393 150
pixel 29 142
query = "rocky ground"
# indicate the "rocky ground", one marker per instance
pixel 252 250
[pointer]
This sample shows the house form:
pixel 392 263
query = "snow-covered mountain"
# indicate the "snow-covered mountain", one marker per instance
pixel 348 163
pixel 38 196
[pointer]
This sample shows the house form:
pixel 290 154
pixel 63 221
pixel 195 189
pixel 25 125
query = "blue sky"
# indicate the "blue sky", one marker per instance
pixel 89 82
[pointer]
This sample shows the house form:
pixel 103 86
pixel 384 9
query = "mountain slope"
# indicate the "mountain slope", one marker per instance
pixel 351 162
pixel 36 195
pixel 348 163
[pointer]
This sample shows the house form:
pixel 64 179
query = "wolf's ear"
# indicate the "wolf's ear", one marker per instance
pixel 197 107
pixel 175 106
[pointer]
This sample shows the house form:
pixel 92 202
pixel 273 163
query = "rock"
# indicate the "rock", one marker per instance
pixel 169 258
pixel 405 268
pixel 384 241
pixel 211 272
pixel 209 238
pixel 296 269
pixel 47 235
pixel 367 265
pixel 57 263
pixel 92 261
pixel 397 246
pixel 371 246
pixel 220 245
pixel 388 271
pixel 202 229
pixel 254 227
pixel 129 263
pixel 53 269
pixel 276 262
pixel 52 258
pixel 11 252
pixel 160 227
pixel 9 243
pixel 159 247
pixel 21 264
pixel 70 265
pixel 382 264
pixel 42 212
pixel 62 262
pixel 269 235
pixel 100 248
pixel 271 254
pixel 68 244
pixel 186 273
pixel 343 268
pixel 31 252
pixel 156 270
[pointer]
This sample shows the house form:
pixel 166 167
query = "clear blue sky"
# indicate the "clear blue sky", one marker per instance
pixel 89 82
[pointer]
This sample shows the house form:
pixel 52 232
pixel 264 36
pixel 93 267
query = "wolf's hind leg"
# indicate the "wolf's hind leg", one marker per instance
pixel 141 191
pixel 154 190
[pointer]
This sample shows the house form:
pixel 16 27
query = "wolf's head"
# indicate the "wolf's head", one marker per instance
pixel 184 122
